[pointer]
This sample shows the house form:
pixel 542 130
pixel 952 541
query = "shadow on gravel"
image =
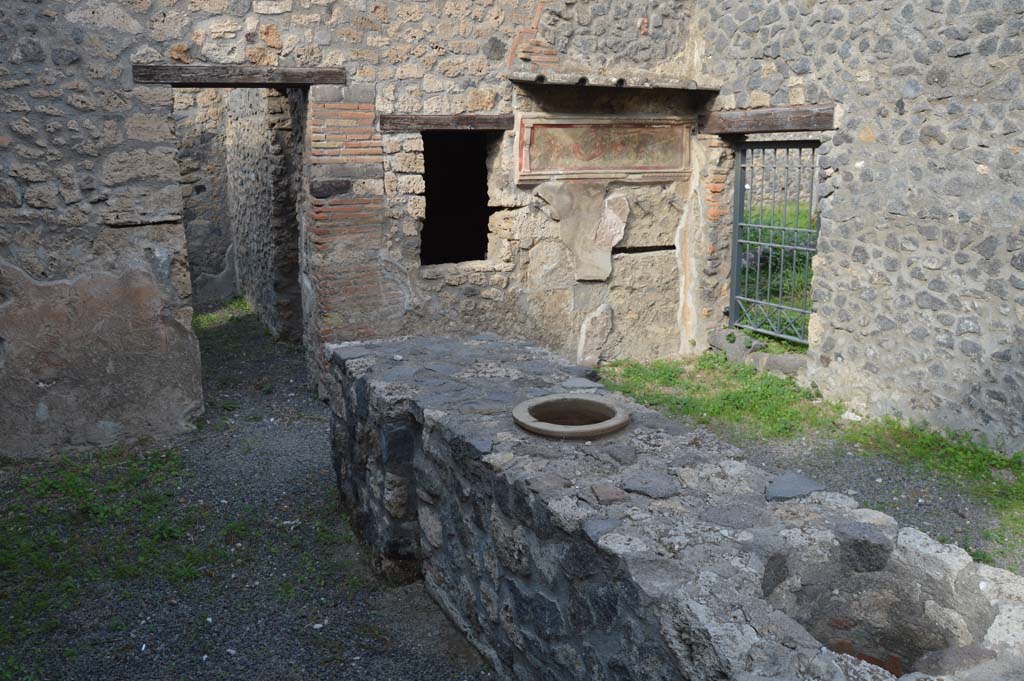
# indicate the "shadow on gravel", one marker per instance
pixel 219 555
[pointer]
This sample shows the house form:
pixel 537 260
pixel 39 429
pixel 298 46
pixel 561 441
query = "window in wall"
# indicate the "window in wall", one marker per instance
pixel 455 229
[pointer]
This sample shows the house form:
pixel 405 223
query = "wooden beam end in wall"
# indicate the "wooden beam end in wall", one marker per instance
pixel 234 75
pixel 804 118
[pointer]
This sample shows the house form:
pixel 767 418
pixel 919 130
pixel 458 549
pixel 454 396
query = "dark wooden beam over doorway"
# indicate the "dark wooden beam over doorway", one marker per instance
pixel 419 123
pixel 774 119
pixel 234 75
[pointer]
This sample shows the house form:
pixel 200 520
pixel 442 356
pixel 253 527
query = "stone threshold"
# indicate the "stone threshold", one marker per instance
pixel 649 554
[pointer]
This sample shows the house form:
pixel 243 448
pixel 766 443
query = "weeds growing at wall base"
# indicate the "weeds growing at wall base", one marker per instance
pixel 233 309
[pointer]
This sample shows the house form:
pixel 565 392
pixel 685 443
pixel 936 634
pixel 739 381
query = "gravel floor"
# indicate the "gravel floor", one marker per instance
pixel 299 602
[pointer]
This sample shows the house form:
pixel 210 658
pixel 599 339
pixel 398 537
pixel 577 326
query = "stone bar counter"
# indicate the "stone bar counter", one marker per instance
pixel 651 554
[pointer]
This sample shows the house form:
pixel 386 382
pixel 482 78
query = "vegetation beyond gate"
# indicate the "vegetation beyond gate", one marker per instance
pixel 774 239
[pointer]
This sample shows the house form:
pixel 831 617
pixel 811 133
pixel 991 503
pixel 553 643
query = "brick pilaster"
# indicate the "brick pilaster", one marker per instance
pixel 346 217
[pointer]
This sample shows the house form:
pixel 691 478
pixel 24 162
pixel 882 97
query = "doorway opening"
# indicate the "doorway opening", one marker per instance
pixel 240 154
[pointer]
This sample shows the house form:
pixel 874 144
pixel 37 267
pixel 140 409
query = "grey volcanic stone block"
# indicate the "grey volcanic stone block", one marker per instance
pixel 791 486
pixel 608 494
pixel 652 484
pixel 577 383
pixel 790 364
pixel 776 571
pixel 737 515
pixel 863 547
pixel 953 660
pixel 595 528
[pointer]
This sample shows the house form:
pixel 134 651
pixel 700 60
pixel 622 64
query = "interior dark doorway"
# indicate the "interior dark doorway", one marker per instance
pixel 455 229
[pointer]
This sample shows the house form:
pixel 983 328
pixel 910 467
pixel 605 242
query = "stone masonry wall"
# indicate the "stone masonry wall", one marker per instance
pixel 90 183
pixel 96 305
pixel 919 281
pixel 455 62
pixel 262 161
pixel 653 553
pixel 527 285
pixel 201 126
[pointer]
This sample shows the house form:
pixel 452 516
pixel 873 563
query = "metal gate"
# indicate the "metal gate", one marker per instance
pixel 775 235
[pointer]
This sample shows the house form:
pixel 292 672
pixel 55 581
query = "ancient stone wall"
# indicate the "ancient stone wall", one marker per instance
pixel 263 161
pixel 90 189
pixel 919 281
pixel 919 185
pixel 90 183
pixel 96 315
pixel 528 284
pixel 456 62
pixel 653 553
pixel 628 40
pixel 201 126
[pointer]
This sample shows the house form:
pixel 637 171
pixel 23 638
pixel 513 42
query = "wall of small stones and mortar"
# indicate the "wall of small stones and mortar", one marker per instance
pixel 527 284
pixel 263 160
pixel 201 126
pixel 90 185
pixel 367 189
pixel 919 281
pixel 654 553
pixel 89 195
pixel 96 312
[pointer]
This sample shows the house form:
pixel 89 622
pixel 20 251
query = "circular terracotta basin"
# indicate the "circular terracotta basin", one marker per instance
pixel 570 416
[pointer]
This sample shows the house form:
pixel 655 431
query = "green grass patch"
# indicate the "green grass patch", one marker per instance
pixel 781 214
pixel 995 477
pixel 112 516
pixel 710 389
pixel 773 268
pixel 239 530
pixel 233 309
pixel 12 670
pixel 737 400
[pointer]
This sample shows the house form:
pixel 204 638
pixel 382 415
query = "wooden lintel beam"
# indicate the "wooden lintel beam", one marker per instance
pixel 234 75
pixel 418 123
pixel 775 119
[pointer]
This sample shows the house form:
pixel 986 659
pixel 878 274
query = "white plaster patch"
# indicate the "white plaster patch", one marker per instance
pixel 1008 628
pixel 568 512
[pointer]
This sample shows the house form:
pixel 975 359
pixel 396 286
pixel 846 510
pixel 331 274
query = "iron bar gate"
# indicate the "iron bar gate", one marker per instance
pixel 775 235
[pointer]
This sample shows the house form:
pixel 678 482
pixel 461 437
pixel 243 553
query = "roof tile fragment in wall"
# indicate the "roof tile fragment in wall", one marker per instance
pixel 529 46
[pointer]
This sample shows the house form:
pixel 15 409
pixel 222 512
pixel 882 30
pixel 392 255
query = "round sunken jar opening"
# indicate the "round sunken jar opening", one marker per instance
pixel 570 416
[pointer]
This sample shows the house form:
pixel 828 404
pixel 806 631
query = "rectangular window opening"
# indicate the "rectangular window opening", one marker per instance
pixel 455 173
